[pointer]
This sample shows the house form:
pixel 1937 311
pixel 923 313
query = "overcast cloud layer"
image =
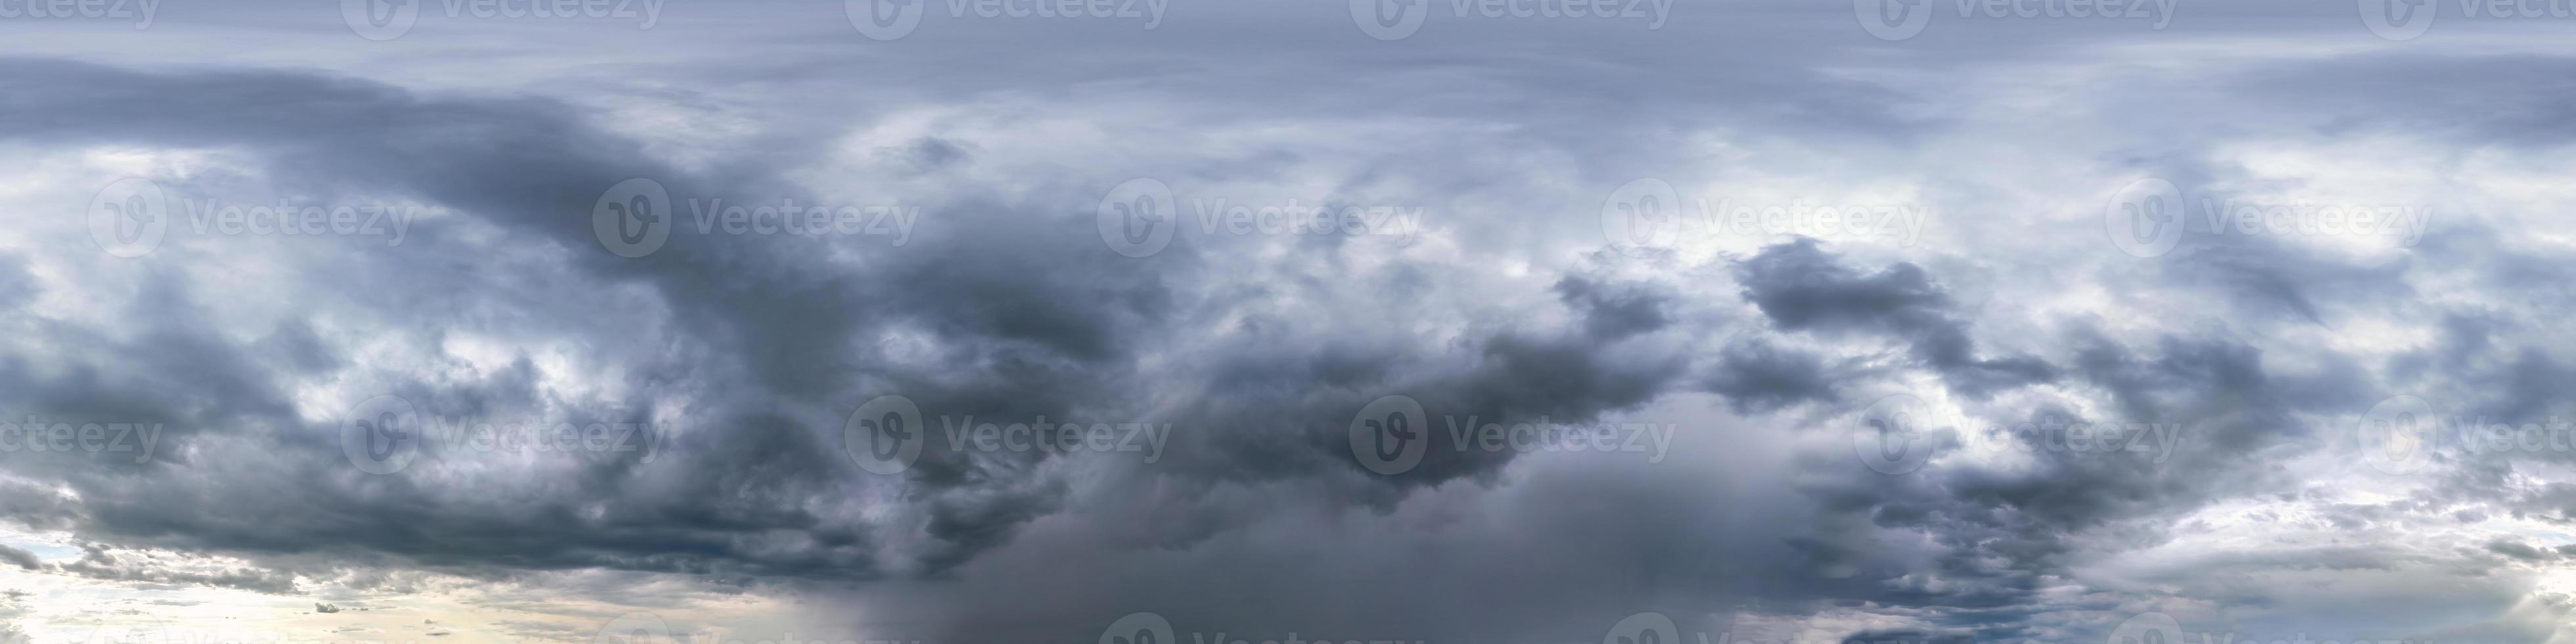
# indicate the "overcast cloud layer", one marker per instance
pixel 1276 322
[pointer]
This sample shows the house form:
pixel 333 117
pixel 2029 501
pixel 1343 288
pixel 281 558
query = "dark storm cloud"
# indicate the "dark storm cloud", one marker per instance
pixel 1915 636
pixel 2000 533
pixel 99 562
pixel 20 558
pixel 1611 313
pixel 1802 288
pixel 2519 550
pixel 1042 323
pixel 2265 277
pixel 520 163
pixel 1258 521
pixel 527 165
pixel 1757 377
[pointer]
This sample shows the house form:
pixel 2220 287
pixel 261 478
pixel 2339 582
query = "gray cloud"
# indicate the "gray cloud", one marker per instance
pixel 2258 355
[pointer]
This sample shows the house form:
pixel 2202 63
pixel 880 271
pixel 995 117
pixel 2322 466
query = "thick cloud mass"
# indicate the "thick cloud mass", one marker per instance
pixel 1703 323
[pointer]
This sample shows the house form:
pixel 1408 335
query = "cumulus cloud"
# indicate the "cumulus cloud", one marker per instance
pixel 1402 354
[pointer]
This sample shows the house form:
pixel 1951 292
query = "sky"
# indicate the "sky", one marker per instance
pixel 1287 321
